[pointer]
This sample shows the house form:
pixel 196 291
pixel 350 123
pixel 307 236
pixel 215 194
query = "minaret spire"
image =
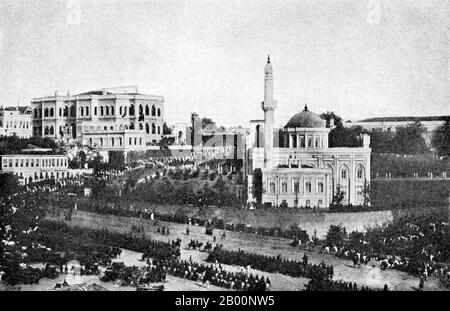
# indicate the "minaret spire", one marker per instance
pixel 268 106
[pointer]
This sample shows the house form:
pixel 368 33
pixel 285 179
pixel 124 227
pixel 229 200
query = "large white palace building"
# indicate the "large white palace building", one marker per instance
pixel 303 170
pixel 110 119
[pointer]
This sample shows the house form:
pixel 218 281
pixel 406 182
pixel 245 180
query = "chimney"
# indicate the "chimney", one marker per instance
pixel 366 140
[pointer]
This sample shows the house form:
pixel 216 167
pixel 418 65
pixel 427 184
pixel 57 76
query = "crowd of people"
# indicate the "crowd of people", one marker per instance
pixel 414 244
pixel 215 275
pixel 330 285
pixel 272 264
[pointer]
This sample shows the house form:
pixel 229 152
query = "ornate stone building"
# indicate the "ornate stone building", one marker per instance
pixel 15 121
pixel 112 118
pixel 297 165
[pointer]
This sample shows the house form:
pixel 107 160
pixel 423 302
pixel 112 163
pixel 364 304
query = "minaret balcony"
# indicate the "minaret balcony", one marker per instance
pixel 269 105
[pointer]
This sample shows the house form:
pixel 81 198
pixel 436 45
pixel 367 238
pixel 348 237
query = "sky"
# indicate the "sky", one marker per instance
pixel 358 58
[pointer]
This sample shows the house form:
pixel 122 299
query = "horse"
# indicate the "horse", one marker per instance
pixel 294 243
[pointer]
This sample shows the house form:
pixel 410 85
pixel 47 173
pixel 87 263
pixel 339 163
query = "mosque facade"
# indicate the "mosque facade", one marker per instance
pixel 298 167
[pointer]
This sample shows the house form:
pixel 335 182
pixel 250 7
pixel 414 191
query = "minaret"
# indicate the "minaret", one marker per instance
pixel 268 106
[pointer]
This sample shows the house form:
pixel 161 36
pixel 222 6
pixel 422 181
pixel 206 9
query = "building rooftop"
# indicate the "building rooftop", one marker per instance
pixel 306 119
pixel 406 119
pixel 130 90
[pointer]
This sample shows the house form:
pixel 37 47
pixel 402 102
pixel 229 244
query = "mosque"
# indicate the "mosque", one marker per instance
pixel 298 167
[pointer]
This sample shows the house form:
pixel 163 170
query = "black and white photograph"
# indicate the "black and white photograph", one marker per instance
pixel 224 151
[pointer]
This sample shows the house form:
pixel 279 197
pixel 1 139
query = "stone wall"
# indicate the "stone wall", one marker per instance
pixel 312 222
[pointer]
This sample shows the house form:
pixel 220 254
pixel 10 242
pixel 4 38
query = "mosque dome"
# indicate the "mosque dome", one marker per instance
pixel 306 119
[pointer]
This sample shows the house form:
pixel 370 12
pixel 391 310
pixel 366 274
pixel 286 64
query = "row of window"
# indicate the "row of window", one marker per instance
pixel 343 189
pixel 343 173
pixel 295 189
pixel 116 142
pixel 46 162
pixel 15 124
pixel 102 111
pixel 299 141
pixel 360 172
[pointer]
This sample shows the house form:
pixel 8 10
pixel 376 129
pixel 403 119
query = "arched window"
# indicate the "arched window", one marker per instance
pixel 112 110
pixel 52 130
pixel 360 172
pixel 52 112
pixel 87 111
pixel 147 110
pixel 95 111
pixel 141 110
pixel 159 130
pixel 344 172
pixel 159 112
pixel 73 112
pixel 147 128
pixel 132 110
pixel 66 111
pixel 60 112
pixel 258 136
pixel 81 111
pixel 107 110
pixel 132 126
pixel 46 112
pixel 153 128
pixel 129 141
pixel 102 110
pixel 35 113
pixel 46 130
pixel 153 111
pixel 141 127
pixel 309 142
pixel 308 186
pixel 120 110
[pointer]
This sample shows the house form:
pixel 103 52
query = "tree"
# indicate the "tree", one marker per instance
pixel 331 115
pixel 409 139
pixel 257 185
pixel 336 236
pixel 166 130
pixel 441 139
pixel 381 141
pixel 345 137
pixel 195 130
pixel 337 199
pixel 116 159
pixel 207 121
